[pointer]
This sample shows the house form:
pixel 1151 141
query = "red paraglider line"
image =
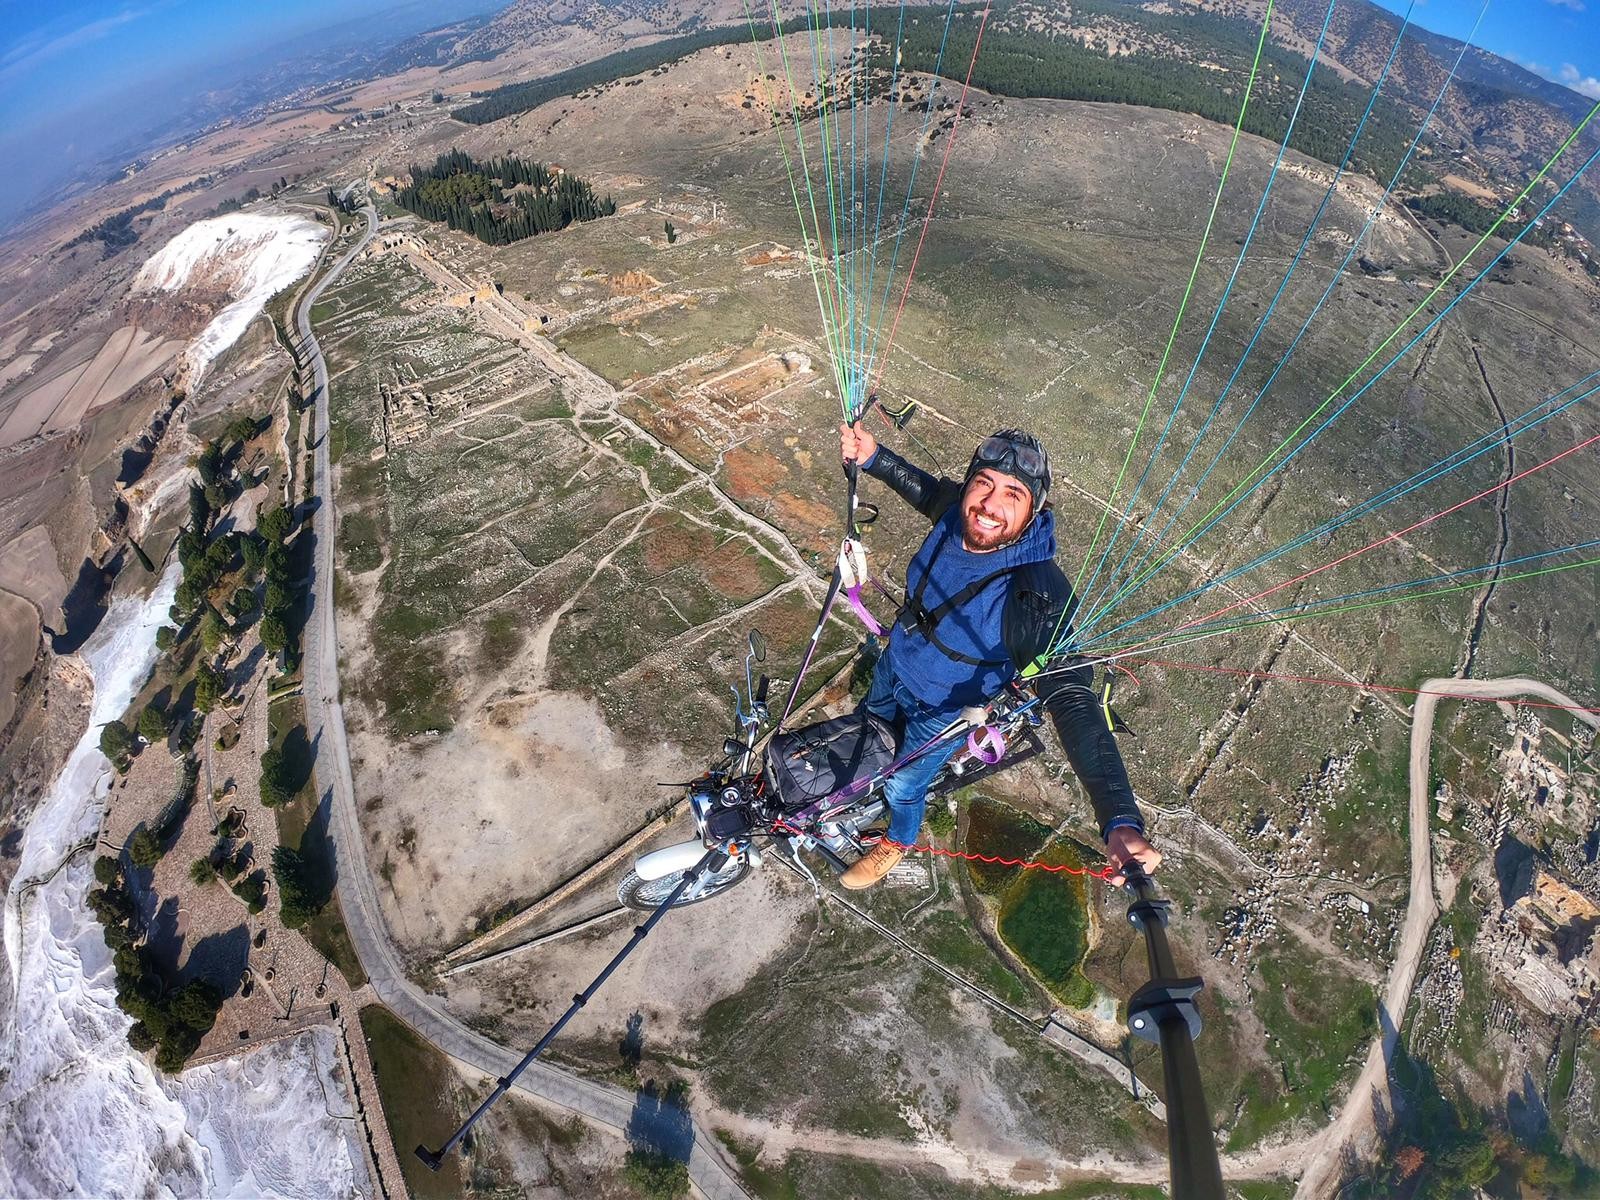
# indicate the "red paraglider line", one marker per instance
pixel 1247 673
pixel 932 200
pixel 1027 864
pixel 1370 546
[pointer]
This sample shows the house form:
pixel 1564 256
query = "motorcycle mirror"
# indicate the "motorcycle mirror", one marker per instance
pixel 758 646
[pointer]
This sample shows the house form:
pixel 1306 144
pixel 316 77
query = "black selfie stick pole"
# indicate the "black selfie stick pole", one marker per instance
pixel 713 861
pixel 1163 1011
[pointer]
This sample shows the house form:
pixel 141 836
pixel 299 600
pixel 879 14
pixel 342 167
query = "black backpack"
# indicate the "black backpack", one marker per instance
pixel 808 764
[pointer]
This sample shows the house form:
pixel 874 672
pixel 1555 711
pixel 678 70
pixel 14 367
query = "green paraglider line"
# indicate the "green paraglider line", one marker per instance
pixel 825 298
pixel 830 153
pixel 1135 649
pixel 1183 305
pixel 1199 526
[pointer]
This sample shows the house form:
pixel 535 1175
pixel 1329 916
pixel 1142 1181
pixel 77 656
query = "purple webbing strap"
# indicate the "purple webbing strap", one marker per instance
pixel 987 744
pixel 853 597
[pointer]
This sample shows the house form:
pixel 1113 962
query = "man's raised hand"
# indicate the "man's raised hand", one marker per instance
pixel 856 444
pixel 1126 844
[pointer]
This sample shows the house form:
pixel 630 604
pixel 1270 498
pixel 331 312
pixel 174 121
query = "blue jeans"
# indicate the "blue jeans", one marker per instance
pixel 907 789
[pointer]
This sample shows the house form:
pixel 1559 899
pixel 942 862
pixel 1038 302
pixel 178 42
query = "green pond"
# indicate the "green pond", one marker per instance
pixel 1044 915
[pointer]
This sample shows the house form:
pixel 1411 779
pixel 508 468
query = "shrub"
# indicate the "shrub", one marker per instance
pixel 202 871
pixel 254 551
pixel 166 637
pixel 227 865
pixel 106 870
pixel 140 1037
pixel 297 899
pixel 144 848
pixel 274 634
pixel 252 889
pixel 240 429
pixel 116 742
pixel 176 1047
pixel 276 563
pixel 243 603
pixel 277 786
pixel 655 1176
pixel 275 524
pixel 112 905
pixel 208 687
pixel 196 1004
pixel 213 631
pixel 131 962
pixel 153 723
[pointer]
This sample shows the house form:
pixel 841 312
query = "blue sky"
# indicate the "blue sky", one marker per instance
pixel 54 57
pixel 78 79
pixel 1559 39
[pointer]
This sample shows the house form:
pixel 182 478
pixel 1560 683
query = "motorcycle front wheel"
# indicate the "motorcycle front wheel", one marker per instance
pixel 648 894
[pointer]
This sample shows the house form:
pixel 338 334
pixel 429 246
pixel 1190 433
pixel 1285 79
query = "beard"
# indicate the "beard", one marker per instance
pixel 980 538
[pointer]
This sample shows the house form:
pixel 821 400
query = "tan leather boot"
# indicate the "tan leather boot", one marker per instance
pixel 871 867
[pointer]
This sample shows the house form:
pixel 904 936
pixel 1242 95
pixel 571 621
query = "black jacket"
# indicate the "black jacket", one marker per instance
pixel 1040 594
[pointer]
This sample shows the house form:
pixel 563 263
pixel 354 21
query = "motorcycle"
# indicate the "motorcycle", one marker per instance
pixel 813 790
pixel 819 789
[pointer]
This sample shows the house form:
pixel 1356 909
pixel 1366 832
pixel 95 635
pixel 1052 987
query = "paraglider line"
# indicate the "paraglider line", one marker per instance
pixel 1194 490
pixel 1391 537
pixel 1483 445
pixel 1205 342
pixel 949 145
pixel 1388 689
pixel 1234 498
pixel 1183 306
pixel 1230 501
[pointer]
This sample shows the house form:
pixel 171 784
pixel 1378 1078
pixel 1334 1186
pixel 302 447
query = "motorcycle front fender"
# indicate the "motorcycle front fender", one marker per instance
pixel 663 862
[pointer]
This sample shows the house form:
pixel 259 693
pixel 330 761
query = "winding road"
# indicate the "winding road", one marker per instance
pixel 358 897
pixel 1355 1121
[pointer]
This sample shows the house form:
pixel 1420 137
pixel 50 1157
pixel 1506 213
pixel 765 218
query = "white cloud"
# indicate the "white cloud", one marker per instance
pixel 1579 82
pixel 44 44
pixel 1574 5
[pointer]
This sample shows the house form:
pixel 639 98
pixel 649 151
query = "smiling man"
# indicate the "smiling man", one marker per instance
pixel 984 600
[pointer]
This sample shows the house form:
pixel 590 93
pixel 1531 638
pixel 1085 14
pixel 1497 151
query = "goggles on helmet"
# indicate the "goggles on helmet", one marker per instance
pixel 1025 462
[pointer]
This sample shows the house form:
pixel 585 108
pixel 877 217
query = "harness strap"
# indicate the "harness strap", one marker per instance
pixel 918 618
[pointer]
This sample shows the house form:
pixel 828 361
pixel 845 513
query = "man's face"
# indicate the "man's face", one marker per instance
pixel 995 508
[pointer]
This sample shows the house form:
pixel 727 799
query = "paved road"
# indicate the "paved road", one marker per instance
pixel 363 914
pixel 1355 1123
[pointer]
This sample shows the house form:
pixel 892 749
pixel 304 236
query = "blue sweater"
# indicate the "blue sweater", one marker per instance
pixel 973 629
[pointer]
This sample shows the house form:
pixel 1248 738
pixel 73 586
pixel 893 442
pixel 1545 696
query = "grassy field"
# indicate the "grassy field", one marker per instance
pixel 1319 1024
pixel 303 826
pixel 802 1176
pixel 1042 918
pixel 412 1078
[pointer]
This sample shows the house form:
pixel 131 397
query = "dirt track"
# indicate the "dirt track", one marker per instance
pixel 1354 1125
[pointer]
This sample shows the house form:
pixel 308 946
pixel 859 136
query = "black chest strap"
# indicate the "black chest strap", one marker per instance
pixel 916 617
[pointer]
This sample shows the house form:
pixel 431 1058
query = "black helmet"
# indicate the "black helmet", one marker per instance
pixel 1015 453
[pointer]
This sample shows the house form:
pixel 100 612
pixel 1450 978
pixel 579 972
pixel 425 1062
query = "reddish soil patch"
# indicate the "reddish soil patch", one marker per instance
pixel 811 524
pixel 732 571
pixel 765 258
pixel 671 543
pixel 652 412
pixel 752 474
pixel 631 283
